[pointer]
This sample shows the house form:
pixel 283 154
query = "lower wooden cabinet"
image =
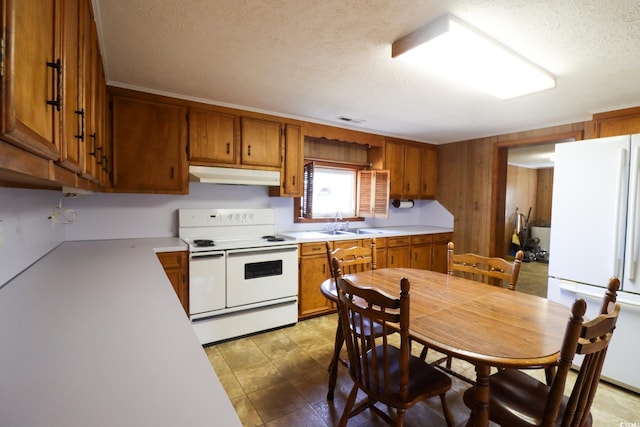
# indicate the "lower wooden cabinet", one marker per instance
pixel 399 252
pixel 176 265
pixel 439 251
pixel 313 269
pixel 421 251
pixel 425 251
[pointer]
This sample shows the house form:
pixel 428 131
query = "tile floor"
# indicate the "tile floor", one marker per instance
pixel 279 378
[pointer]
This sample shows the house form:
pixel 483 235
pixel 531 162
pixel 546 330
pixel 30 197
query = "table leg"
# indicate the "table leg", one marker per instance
pixel 333 366
pixel 480 415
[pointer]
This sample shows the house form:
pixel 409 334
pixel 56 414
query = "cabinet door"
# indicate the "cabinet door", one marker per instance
pixel 261 143
pixel 394 162
pixel 95 163
pixel 429 181
pixel 421 257
pixel 73 110
pixel 33 69
pixel 399 257
pixel 617 122
pixel 293 161
pixel 381 258
pixel 439 252
pixel 212 137
pixel 149 149
pixel 314 270
pixel 412 173
pixel 176 266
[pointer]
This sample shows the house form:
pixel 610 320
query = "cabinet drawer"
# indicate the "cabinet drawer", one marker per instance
pixel 381 242
pixel 442 237
pixel 345 244
pixel 313 248
pixel 172 259
pixel 421 239
pixel 398 241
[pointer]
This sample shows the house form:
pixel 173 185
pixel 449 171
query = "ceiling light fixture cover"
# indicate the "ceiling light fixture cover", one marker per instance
pixel 452 48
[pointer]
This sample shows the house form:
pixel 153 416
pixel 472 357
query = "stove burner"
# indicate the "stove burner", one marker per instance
pixel 273 239
pixel 203 243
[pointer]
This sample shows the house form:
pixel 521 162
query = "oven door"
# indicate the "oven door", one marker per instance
pixel 261 274
pixel 206 282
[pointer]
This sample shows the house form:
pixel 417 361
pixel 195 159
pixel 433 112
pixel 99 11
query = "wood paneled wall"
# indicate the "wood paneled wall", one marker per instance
pixel 464 188
pixel 544 196
pixel 470 184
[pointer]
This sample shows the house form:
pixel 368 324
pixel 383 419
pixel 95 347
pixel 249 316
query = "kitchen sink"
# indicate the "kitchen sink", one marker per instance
pixel 337 232
pixel 352 231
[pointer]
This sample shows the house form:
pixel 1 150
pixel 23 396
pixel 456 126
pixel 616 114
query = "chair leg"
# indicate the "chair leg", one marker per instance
pixel 549 374
pixel 400 417
pixel 446 411
pixel 333 366
pixel 348 406
pixel 423 353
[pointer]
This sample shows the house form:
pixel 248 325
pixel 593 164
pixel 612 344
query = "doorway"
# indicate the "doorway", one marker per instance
pixel 506 197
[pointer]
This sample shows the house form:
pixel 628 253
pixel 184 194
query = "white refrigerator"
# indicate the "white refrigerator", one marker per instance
pixel 595 234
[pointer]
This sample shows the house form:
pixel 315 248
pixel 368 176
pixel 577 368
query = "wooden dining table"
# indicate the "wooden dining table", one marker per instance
pixel 486 325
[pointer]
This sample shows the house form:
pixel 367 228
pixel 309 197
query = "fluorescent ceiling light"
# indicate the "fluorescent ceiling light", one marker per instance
pixel 450 47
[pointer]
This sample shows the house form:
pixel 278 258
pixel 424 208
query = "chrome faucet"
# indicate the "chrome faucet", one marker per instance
pixel 338 218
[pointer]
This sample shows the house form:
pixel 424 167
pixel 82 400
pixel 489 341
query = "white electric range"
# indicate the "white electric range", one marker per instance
pixel 243 278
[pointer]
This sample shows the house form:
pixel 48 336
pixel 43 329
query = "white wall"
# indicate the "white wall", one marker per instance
pixel 27 233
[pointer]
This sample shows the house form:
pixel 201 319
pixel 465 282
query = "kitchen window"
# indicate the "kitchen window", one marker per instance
pixel 334 190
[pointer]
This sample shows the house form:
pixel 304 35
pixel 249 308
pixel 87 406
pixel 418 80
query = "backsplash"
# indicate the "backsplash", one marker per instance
pixel 28 234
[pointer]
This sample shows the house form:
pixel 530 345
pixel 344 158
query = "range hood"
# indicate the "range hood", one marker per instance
pixel 214 175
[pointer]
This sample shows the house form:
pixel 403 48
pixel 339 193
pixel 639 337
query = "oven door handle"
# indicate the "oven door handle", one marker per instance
pixel 254 251
pixel 205 255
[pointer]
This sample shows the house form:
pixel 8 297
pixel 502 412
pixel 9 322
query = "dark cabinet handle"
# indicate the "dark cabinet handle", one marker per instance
pixel 249 150
pixel 81 114
pixel 293 181
pixel 172 172
pixel 93 144
pixel 228 147
pixel 58 101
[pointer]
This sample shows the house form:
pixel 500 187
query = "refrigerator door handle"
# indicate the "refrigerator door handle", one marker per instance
pixel 616 230
pixel 630 273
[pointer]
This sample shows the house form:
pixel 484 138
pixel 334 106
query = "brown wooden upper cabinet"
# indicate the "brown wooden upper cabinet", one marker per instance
pixel 413 169
pixel 97 154
pixel 73 106
pixel 149 146
pixel 213 138
pixel 619 122
pixel 292 169
pixel 48 99
pixel 261 143
pixel 429 177
pixel 31 89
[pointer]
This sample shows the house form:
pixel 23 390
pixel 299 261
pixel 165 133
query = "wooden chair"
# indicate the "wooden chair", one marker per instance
pixel 350 260
pixel 519 400
pixel 386 373
pixel 493 270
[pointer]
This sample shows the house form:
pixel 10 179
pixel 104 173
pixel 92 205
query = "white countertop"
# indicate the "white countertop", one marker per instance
pixel 407 230
pixel 94 335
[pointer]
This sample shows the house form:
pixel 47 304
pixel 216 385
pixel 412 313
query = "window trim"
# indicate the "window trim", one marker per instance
pixel 297 201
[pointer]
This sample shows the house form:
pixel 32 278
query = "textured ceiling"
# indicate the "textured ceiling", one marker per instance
pixel 319 60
